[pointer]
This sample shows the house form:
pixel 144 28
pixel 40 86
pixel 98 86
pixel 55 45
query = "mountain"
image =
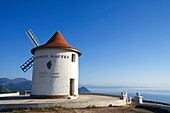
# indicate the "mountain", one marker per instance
pixel 17 84
pixel 83 90
pixel 19 80
pixel 4 80
pixel 3 89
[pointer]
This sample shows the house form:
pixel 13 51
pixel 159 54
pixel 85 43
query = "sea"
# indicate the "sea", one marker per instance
pixel 153 94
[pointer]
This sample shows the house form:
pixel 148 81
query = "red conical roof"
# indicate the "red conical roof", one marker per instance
pixel 57 41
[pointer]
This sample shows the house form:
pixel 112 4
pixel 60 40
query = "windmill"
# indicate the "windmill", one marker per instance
pixel 29 63
pixel 55 71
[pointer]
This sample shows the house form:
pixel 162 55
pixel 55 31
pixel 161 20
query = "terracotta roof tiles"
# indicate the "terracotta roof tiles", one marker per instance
pixel 57 41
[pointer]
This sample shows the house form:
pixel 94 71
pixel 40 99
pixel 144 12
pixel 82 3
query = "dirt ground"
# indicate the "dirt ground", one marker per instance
pixel 95 110
pixel 112 110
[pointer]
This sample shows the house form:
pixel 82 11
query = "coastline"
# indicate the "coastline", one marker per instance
pixel 149 94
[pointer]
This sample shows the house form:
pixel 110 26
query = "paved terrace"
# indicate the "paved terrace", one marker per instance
pixel 84 100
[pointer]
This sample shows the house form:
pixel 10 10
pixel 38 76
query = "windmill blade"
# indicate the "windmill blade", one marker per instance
pixel 27 65
pixel 32 37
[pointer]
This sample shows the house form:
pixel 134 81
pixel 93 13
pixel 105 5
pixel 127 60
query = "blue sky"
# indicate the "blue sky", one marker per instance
pixel 124 42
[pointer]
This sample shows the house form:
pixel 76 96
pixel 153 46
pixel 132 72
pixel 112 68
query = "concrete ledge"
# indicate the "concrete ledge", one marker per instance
pixel 9 94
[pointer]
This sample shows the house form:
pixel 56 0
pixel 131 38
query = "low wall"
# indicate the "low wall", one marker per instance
pixel 139 102
pixel 123 99
pixel 154 102
pixel 9 94
pixel 102 94
pixel 156 106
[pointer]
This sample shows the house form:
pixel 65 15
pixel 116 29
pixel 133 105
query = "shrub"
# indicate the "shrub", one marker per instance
pixel 91 106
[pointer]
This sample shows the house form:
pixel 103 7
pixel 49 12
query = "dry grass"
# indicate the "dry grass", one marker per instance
pixel 59 109
pixel 114 110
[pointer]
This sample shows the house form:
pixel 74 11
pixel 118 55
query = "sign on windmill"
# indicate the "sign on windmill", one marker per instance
pixel 29 63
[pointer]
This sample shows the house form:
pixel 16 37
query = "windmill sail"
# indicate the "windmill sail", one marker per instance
pixel 32 37
pixel 27 65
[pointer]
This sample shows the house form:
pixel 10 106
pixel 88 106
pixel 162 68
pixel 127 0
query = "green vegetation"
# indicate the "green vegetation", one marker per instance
pixel 3 89
pixel 91 106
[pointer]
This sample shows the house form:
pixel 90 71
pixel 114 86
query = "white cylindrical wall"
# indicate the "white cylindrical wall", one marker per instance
pixel 55 79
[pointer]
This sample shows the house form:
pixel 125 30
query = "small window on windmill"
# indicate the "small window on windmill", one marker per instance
pixel 73 59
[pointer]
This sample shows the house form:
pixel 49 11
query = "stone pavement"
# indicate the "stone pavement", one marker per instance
pixel 81 102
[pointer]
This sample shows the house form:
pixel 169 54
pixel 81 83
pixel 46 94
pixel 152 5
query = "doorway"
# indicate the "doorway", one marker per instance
pixel 71 87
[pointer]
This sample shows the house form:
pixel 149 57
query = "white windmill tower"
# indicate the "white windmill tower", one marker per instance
pixel 55 70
